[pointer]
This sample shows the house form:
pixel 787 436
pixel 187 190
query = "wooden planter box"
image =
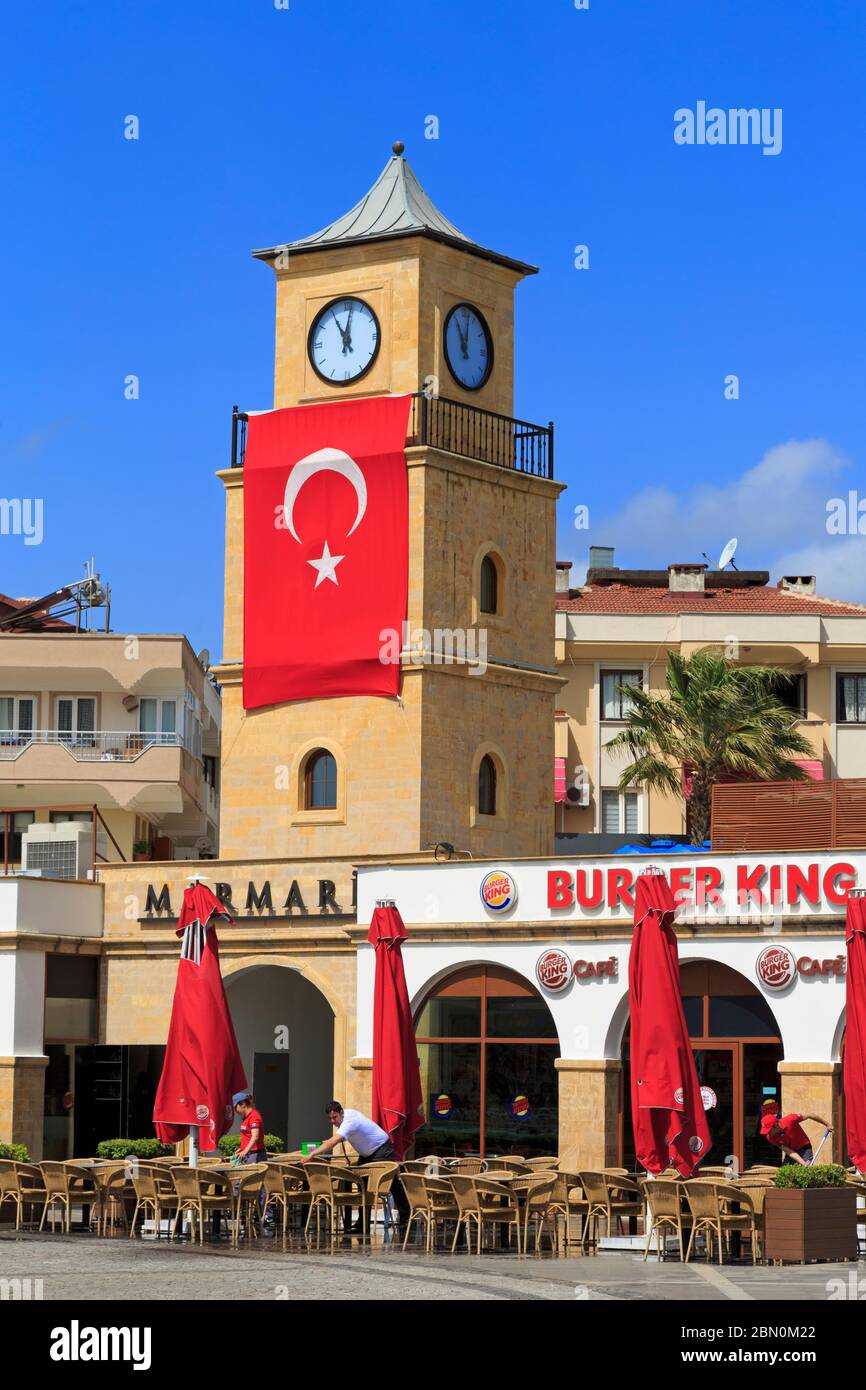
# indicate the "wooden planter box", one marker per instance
pixel 818 1223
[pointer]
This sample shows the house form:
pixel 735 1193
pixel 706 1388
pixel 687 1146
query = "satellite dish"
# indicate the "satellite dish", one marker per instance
pixel 203 658
pixel 728 553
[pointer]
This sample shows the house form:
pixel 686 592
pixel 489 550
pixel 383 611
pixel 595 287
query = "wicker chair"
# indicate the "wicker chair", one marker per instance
pixel 485 1203
pixel 665 1199
pixel 154 1194
pixel 548 1164
pixel 31 1189
pixel 709 1204
pixel 606 1203
pixel 375 1193
pixel 467 1167
pixel 331 1187
pixel 536 1192
pixel 64 1182
pixel 113 1187
pixel 568 1200
pixel 296 1187
pixel 441 1205
pixel 248 1199
pixel 508 1164
pixel 415 1187
pixel 190 1185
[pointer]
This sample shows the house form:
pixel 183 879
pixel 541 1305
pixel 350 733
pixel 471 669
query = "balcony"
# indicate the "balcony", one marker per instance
pixel 105 746
pixel 459 429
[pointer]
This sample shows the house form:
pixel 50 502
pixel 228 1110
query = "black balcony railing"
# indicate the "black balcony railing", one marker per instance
pixel 460 429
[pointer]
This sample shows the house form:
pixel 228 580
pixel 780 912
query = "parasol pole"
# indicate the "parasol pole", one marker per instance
pixel 193 1146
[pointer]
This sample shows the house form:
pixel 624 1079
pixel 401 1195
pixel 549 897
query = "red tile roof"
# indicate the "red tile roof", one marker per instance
pixel 37 622
pixel 623 598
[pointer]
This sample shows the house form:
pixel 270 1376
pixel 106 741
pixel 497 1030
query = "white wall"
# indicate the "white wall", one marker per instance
pixel 591 1014
pixel 49 907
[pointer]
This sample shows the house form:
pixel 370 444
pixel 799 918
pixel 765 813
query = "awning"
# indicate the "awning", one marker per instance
pixel 813 766
pixel 559 780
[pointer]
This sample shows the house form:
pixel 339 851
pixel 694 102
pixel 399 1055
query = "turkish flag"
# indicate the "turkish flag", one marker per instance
pixel 397 1101
pixel 202 1069
pixel 854 1075
pixel 326 550
pixel 670 1127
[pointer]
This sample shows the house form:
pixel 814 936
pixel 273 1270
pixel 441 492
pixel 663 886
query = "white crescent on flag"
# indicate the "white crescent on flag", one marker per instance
pixel 324 460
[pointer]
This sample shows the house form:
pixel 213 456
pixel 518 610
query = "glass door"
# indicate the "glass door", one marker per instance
pixel 717 1065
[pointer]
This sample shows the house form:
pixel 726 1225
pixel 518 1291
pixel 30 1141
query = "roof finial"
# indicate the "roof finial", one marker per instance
pixel 398 147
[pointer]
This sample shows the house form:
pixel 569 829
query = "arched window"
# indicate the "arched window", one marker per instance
pixel 487 786
pixel 320 781
pixel 487 1044
pixel 488 598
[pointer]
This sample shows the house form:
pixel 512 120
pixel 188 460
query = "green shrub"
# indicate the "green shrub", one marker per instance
pixel 18 1152
pixel 133 1148
pixel 230 1143
pixel 817 1175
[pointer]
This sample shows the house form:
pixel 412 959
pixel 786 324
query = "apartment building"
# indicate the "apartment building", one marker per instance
pixel 618 628
pixel 126 724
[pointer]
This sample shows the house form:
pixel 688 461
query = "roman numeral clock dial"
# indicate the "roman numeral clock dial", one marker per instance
pixel 344 340
pixel 468 347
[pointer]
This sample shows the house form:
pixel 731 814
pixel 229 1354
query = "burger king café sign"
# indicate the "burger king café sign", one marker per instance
pixel 760 890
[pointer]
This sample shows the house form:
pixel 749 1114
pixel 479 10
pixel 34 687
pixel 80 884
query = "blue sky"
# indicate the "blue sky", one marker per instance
pixel 259 124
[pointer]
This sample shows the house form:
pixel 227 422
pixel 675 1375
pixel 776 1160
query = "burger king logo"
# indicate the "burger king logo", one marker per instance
pixel 520 1107
pixel 201 1112
pixel 776 967
pixel 498 891
pixel 442 1107
pixel 679 1096
pixel 553 971
pixel 696 1144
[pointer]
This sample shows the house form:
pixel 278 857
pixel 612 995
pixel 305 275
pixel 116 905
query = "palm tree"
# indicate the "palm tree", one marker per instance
pixel 717 717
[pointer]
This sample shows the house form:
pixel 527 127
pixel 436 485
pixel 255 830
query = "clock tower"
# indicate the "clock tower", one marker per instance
pixel 392 298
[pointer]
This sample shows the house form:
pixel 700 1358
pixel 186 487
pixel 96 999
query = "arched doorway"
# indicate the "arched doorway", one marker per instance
pixel 487 1044
pixel 737 1046
pixel 285 1031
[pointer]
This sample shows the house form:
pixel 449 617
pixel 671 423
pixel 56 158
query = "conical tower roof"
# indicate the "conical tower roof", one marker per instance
pixel 396 206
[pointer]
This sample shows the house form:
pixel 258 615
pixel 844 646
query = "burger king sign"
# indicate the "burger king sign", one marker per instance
pixel 776 967
pixel 498 891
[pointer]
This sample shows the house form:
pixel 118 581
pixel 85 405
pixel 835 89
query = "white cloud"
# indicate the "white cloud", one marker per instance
pixel 777 510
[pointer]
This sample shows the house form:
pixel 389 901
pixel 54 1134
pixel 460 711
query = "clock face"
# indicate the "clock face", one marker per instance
pixel 344 340
pixel 468 346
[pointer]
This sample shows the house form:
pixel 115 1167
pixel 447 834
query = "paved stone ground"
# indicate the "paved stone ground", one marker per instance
pixel 82 1267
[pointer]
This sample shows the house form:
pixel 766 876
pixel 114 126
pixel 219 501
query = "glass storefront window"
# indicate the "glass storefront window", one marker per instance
pixel 450 1016
pixel 487 1045
pixel 451 1087
pixel 520 1102
pixel 741 1016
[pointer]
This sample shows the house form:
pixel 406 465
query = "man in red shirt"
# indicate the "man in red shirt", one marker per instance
pixel 786 1133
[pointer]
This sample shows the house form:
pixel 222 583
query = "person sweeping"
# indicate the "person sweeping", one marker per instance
pixel 785 1132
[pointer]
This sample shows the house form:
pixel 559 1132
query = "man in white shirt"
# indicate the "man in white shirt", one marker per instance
pixel 371 1142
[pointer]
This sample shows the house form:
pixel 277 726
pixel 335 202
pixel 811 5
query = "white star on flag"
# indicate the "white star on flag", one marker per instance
pixel 326 566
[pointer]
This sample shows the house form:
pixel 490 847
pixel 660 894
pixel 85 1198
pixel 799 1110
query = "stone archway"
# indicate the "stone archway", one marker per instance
pixel 289 1041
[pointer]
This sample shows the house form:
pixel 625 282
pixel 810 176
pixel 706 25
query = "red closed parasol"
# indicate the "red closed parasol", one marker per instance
pixel 854 1075
pixel 202 1069
pixel 670 1127
pixel 397 1103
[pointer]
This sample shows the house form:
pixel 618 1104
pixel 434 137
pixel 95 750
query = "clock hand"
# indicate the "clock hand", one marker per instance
pixel 348 338
pixel 341 331
pixel 462 337
pixel 466 338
